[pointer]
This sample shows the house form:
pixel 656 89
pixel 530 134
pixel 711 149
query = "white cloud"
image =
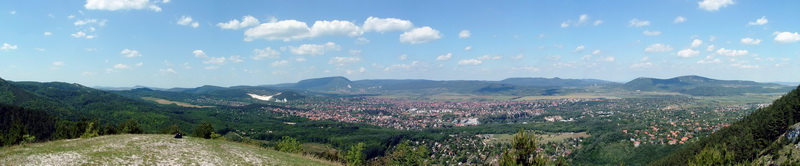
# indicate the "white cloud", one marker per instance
pixel 215 60
pixel 710 48
pixel 335 27
pixel 518 57
pixel 709 60
pixel 300 59
pixel 468 48
pixel 199 54
pixel 112 5
pixel 355 52
pixel 444 57
pixel 121 66
pixel 279 63
pixel 786 37
pixel 247 21
pixel 744 66
pixel 90 21
pixel 130 53
pixel 697 42
pixel 651 33
pixel 470 62
pixel 464 34
pixel 658 47
pixel 81 34
pixel 490 57
pixel 167 71
pixel 583 19
pixel 598 22
pixel 235 59
pixel 679 19
pixel 314 49
pixel 642 65
pixel 596 52
pixel 714 5
pixel 341 61
pixel 579 48
pixel 187 20
pixel 761 21
pixel 58 63
pixel 686 53
pixel 374 24
pixel 140 64
pixel 750 41
pixel 286 30
pixel 638 23
pixel 607 59
pixel 48 33
pixel 362 40
pixel 726 52
pixel 259 54
pixel 420 35
pixel 403 57
pixel 7 46
pixel 211 67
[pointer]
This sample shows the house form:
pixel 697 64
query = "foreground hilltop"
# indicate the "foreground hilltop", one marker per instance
pixel 149 150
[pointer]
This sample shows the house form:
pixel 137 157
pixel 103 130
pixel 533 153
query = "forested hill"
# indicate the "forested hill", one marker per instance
pixel 744 140
pixel 702 86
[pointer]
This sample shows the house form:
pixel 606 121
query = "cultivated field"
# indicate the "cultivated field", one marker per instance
pixel 182 104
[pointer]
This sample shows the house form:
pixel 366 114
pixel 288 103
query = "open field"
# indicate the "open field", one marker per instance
pixel 149 149
pixel 544 137
pixel 182 104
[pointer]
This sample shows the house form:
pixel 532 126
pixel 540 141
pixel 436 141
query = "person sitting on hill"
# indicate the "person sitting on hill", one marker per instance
pixel 178 135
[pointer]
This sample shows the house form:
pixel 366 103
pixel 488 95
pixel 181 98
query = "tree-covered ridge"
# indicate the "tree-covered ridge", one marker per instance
pixel 748 137
pixel 702 86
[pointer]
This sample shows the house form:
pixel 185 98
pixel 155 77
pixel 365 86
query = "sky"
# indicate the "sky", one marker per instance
pixel 181 43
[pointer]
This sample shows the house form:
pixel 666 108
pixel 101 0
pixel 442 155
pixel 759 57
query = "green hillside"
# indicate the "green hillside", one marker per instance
pixel 702 86
pixel 745 140
pixel 149 150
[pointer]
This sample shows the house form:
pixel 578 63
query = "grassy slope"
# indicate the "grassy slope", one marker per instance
pixel 149 150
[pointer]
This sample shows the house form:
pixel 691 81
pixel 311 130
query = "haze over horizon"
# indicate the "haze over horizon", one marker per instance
pixel 175 43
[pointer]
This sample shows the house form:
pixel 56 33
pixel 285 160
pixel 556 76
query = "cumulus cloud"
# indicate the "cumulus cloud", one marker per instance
pixel 658 47
pixel 279 63
pixel 420 35
pixel 786 37
pixel 470 62
pixel 444 57
pixel 167 71
pixel 199 54
pixel 464 34
pixel 215 60
pixel 259 54
pixel 81 34
pixel 607 59
pixel 48 33
pixel 468 48
pixel 490 57
pixel 121 66
pixel 286 30
pixel 130 53
pixel 638 23
pixel 583 19
pixel 750 41
pixel 727 52
pixel 687 53
pixel 113 5
pixel 651 33
pixel 761 21
pixel 187 20
pixel 7 46
pixel 679 19
pixel 403 57
pixel 374 24
pixel 315 49
pixel 714 5
pixel 579 48
pixel 59 63
pixel 235 59
pixel 696 42
pixel 247 21
pixel 341 61
pixel 362 40
pixel 335 27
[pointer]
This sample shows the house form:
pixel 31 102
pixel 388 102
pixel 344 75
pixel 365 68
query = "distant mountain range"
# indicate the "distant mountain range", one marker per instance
pixel 523 86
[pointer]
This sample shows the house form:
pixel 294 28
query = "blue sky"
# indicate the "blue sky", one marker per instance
pixel 179 43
